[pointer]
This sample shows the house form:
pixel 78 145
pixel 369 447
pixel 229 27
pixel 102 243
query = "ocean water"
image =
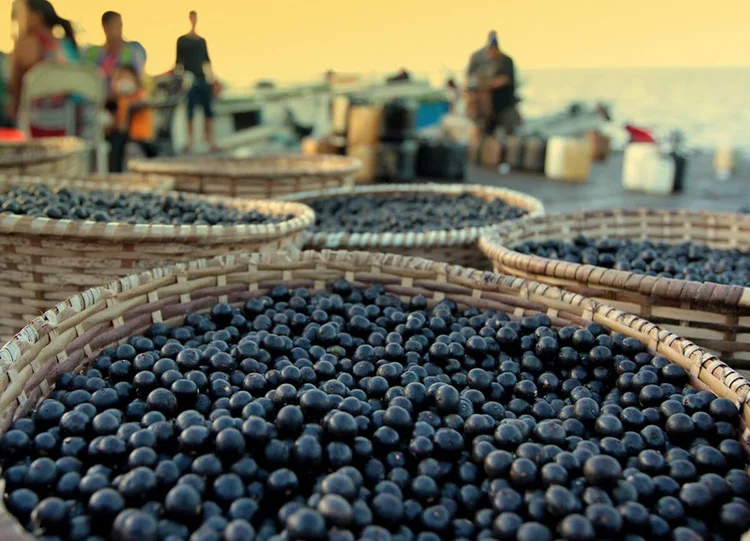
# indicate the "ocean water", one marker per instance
pixel 711 106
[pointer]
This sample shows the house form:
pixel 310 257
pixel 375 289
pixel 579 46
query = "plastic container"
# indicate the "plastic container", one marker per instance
pixel 442 159
pixel 725 162
pixel 339 114
pixel 513 152
pixel 660 175
pixel 430 113
pixel 568 159
pixel 398 121
pixel 368 155
pixel 364 125
pixel 490 151
pixel 397 162
pixel 635 163
pixel 534 153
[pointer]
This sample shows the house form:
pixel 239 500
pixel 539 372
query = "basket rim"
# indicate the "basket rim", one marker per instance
pixel 493 245
pixel 258 168
pixel 41 150
pixel 303 217
pixel 435 238
pixel 658 340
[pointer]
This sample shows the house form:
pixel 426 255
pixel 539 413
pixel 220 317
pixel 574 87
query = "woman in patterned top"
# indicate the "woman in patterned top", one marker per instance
pixel 49 115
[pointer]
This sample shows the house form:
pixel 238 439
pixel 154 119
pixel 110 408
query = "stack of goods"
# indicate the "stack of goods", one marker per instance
pixel 688 271
pixel 56 238
pixel 437 221
pixel 358 396
pixel 520 153
pixel 397 153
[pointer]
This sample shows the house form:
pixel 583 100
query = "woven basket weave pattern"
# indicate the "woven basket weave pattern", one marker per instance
pixel 44 261
pixel 69 335
pixel 456 246
pixel 713 315
pixel 58 156
pixel 264 177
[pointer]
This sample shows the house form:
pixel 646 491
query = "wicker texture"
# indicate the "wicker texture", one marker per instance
pixel 68 336
pixel 715 316
pixel 456 246
pixel 43 261
pixel 264 177
pixel 150 183
pixel 58 156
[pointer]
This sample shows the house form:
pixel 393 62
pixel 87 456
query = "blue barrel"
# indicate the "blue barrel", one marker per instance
pixel 430 113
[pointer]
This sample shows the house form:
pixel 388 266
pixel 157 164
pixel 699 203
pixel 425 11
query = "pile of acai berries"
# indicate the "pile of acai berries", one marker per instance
pixel 684 261
pixel 407 212
pixel 351 414
pixel 42 201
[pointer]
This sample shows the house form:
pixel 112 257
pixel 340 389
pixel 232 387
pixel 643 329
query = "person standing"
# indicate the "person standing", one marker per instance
pixel 115 53
pixel 50 116
pixel 499 79
pixel 192 57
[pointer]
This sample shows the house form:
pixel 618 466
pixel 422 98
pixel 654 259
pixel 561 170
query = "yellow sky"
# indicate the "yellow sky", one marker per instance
pixel 293 39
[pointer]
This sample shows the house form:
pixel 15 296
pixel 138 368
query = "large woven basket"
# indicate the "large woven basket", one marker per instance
pixel 149 183
pixel 456 246
pixel 264 177
pixel 715 316
pixel 58 156
pixel 43 261
pixel 70 335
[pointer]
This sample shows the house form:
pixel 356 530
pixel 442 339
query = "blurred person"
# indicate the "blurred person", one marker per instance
pixel 49 116
pixel 5 121
pixel 114 53
pixel 497 76
pixel 479 57
pixel 192 57
pixel 133 117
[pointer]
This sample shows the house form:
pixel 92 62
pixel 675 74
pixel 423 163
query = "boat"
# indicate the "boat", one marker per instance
pixel 268 112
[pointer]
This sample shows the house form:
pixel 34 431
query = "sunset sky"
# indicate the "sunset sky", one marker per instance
pixel 299 39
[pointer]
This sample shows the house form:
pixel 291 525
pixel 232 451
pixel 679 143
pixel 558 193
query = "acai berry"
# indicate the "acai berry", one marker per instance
pixel 355 413
pixel 42 201
pixel 415 211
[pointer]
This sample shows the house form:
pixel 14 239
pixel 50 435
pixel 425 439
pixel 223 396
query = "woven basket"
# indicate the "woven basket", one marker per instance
pixel 150 183
pixel 264 177
pixel 58 156
pixel 715 316
pixel 71 334
pixel 456 246
pixel 43 261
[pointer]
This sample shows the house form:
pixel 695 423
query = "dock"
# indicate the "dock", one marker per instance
pixel 604 188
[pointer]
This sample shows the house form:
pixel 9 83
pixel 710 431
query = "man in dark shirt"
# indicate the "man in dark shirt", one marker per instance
pixel 498 73
pixel 192 56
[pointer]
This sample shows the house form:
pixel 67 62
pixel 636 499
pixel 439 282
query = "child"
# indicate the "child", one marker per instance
pixel 133 118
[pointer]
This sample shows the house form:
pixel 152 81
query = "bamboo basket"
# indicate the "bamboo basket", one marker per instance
pixel 149 183
pixel 43 261
pixel 58 156
pixel 456 246
pixel 715 316
pixel 265 177
pixel 69 336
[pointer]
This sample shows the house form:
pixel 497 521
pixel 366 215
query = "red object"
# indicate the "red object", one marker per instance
pixel 639 135
pixel 9 134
